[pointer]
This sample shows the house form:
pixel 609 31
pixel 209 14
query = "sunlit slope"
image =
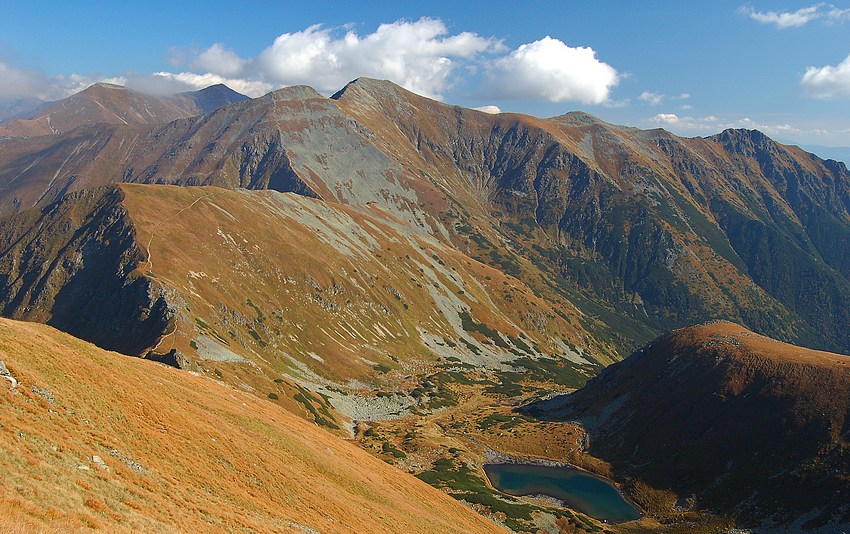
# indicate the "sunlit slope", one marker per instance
pixel 644 230
pixel 260 287
pixel 641 230
pixel 93 439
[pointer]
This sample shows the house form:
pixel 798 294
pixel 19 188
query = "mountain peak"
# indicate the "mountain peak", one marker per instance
pixel 578 117
pixel 210 98
pixel 372 87
pixel 745 141
pixel 745 135
pixel 295 92
pixel 105 85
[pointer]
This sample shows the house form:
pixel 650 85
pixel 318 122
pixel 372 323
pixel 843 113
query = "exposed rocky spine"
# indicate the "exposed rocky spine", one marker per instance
pixel 71 265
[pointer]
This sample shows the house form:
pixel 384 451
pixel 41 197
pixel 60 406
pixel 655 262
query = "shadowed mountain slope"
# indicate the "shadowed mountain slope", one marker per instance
pixel 256 287
pixel 745 425
pixel 663 230
pixel 643 231
pixel 94 440
pixel 208 99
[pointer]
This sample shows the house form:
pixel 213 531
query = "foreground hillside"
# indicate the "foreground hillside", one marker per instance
pixel 730 420
pixel 93 439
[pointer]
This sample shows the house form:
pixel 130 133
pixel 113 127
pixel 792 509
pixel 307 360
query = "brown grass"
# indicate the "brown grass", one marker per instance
pixel 213 458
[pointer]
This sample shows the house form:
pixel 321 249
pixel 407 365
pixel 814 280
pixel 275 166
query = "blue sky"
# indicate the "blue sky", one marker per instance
pixel 691 67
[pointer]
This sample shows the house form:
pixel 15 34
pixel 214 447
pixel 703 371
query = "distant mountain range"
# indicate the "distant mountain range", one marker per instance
pixel 378 258
pixel 838 153
pixel 114 104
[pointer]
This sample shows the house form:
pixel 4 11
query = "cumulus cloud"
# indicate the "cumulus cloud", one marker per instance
pixel 418 55
pixel 828 81
pixel 801 17
pixel 651 98
pixel 550 70
pixel 489 109
pixel 220 60
pixel 422 56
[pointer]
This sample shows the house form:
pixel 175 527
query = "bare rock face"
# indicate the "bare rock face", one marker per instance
pixel 650 231
pixel 71 266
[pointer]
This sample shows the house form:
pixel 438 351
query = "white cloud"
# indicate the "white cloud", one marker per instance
pixel 550 70
pixel 801 17
pixel 169 82
pixel 220 60
pixel 837 15
pixel 422 56
pixel 65 86
pixel 652 98
pixel 828 81
pixel 489 109
pixel 683 96
pixel 783 19
pixel 712 124
pixel 419 56
pixel 20 83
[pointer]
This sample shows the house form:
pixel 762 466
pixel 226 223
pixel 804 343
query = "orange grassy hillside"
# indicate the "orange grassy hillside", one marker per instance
pixel 93 439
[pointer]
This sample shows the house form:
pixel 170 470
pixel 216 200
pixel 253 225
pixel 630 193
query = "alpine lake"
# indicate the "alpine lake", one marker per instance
pixel 577 489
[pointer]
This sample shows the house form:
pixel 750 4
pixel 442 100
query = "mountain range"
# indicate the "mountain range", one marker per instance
pixel 399 271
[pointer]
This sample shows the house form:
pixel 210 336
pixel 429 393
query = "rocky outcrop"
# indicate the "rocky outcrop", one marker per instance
pixel 71 265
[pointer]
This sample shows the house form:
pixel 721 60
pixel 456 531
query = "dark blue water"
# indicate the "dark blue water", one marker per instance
pixel 578 490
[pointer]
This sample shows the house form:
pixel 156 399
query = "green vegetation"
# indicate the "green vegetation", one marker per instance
pixel 505 421
pixel 390 448
pixel 260 316
pixel 463 484
pixel 509 385
pixel 381 368
pixel 470 325
pixel 505 263
pixel 322 415
pixel 475 350
pixel 559 371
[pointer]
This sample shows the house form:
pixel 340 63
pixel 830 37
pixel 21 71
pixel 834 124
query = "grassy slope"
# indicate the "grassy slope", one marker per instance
pixel 344 292
pixel 750 426
pixel 189 454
